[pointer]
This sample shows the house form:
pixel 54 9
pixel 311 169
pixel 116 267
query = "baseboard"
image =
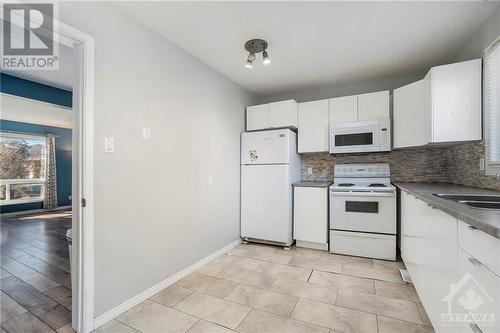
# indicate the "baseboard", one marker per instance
pixel 130 303
pixel 33 211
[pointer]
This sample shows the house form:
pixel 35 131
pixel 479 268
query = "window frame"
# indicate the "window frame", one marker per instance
pixel 491 167
pixel 9 182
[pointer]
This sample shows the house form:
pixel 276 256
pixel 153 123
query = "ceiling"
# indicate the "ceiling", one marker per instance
pixel 61 78
pixel 317 43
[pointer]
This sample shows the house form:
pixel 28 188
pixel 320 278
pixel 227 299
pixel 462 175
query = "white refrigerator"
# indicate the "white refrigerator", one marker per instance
pixel 269 166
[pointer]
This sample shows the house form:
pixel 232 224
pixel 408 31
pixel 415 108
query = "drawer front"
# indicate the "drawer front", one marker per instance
pixel 478 292
pixel 422 220
pixel 480 245
pixel 363 244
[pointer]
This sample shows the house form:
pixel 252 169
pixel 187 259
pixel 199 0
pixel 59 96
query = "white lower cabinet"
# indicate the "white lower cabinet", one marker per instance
pixel 451 265
pixel 480 245
pixel 478 292
pixel 429 251
pixel 310 214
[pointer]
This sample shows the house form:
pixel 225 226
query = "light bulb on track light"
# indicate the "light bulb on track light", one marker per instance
pixel 266 58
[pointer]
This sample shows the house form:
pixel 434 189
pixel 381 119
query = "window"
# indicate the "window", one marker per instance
pixel 492 106
pixel 22 168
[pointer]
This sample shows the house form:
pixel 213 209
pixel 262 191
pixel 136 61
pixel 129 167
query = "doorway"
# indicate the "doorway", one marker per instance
pixel 48 291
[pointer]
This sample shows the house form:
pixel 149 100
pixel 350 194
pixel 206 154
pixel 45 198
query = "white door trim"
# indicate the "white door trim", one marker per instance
pixel 83 174
pixel 83 166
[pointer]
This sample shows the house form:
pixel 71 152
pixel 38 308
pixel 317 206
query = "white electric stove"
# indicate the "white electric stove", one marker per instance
pixel 363 211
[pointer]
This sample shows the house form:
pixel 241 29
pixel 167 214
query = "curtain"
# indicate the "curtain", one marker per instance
pixel 50 197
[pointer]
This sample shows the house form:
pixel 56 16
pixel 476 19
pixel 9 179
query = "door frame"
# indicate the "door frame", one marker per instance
pixel 83 179
pixel 82 277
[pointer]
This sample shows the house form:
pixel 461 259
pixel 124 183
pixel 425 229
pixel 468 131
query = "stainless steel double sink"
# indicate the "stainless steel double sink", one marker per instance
pixel 474 200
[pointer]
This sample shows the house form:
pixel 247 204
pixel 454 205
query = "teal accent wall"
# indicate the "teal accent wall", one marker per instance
pixel 28 89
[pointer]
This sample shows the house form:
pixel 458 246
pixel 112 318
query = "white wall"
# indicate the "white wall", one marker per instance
pixel 348 88
pixel 155 213
pixel 480 39
pixel 25 110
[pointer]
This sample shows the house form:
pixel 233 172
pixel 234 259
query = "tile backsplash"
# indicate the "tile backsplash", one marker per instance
pixel 457 164
pixel 463 166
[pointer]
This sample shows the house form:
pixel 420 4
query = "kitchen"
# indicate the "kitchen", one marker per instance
pixel 380 178
pixel 268 167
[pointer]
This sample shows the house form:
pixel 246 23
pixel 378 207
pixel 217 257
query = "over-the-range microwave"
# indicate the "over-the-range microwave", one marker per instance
pixel 361 136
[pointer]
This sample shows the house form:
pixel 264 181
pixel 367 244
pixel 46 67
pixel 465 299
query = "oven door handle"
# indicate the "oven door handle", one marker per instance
pixel 363 194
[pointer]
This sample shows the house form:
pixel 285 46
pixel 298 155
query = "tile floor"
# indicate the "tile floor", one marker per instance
pixel 259 288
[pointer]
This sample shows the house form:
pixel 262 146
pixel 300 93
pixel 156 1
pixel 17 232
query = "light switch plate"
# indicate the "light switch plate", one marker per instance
pixel 146 133
pixel 211 179
pixel 109 145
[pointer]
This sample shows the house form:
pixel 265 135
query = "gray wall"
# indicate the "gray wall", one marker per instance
pixel 155 213
pixel 458 164
pixel 463 160
pixel 349 88
pixel 481 39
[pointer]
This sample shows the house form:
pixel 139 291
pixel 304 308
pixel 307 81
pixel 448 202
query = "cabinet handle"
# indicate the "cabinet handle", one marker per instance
pixel 431 206
pixel 471 228
pixel 475 328
pixel 475 262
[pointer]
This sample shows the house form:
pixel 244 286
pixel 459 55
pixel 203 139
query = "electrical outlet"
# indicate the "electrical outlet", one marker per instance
pixel 482 164
pixel 309 171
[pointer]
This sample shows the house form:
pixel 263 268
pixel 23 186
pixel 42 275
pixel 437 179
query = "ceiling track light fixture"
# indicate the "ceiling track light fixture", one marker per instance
pixel 254 46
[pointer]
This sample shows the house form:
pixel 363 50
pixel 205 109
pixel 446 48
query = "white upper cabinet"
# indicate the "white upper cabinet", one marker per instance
pixel 373 106
pixel 283 114
pixel 273 115
pixel 410 125
pixel 343 109
pixel 257 117
pixel 313 126
pixel 443 107
pixel 456 101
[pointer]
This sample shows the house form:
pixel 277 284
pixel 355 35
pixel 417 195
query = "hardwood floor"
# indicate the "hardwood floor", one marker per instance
pixel 35 280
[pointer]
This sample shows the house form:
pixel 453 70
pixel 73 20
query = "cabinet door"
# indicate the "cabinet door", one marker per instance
pixel 411 124
pixel 343 109
pixel 430 252
pixel 283 114
pixel 373 106
pixel 257 117
pixel 456 101
pixel 310 214
pixel 478 279
pixel 313 126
